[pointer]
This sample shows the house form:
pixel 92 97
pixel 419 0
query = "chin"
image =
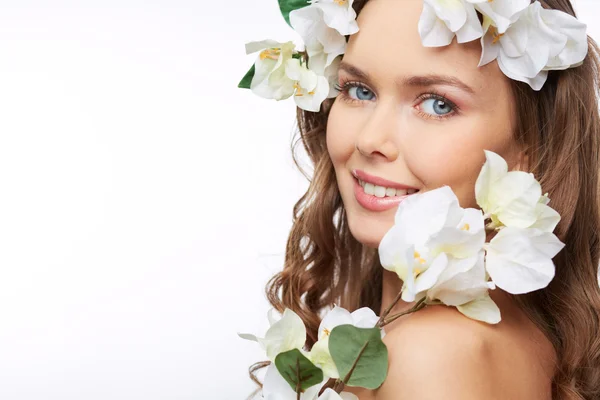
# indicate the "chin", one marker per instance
pixel 368 231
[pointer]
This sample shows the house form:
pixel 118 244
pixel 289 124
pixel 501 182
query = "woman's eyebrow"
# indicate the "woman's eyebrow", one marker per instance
pixel 414 81
pixel 352 70
pixel 433 79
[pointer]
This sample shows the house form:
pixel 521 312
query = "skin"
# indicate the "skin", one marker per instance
pixel 385 123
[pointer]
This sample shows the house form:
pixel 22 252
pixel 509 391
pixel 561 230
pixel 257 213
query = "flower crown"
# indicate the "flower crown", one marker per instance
pixel 526 40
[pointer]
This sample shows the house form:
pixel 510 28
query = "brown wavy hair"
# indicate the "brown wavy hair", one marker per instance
pixel 559 127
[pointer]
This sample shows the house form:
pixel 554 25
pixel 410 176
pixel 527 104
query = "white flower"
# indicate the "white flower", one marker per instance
pixel 482 309
pixel 270 80
pixel 310 88
pixel 520 260
pixel 323 43
pixel 547 217
pixel 510 198
pixel 538 41
pixel 332 75
pixel 429 228
pixel 464 285
pixel 576 46
pixel 502 13
pixel 275 387
pixel 284 335
pixel 441 20
pixel 339 15
pixel 319 354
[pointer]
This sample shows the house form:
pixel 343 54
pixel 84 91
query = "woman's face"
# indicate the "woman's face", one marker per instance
pixel 417 117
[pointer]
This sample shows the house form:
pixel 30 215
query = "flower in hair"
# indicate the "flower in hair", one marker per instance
pixel 538 41
pixel 323 43
pixel 310 88
pixel 270 79
pixel 441 20
pixel 338 14
pixel 501 13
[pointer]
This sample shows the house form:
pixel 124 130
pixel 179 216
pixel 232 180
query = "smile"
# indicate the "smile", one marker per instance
pixel 378 194
pixel 382 191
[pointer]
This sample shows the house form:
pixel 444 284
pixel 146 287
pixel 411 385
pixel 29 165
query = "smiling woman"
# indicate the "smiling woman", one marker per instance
pixel 417 101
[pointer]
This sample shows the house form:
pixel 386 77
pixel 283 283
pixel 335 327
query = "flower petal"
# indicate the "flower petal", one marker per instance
pixel 516 196
pixel 520 260
pixel 452 12
pixel 490 48
pixel 547 218
pixel 463 281
pixel 286 334
pixel 321 357
pixel 536 83
pixel 312 100
pixel 576 48
pixel 463 240
pixel 340 17
pixel 337 316
pixel 471 30
pixel 495 167
pixel 502 13
pixel 483 309
pixel 430 276
pixel 433 31
pixel 364 318
pixel 323 44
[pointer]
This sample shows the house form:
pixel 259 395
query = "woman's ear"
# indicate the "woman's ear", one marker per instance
pixel 522 161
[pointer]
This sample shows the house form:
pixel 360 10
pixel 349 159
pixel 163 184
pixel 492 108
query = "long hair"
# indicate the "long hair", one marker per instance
pixel 559 126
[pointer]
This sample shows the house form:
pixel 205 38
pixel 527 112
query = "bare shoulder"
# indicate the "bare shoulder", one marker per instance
pixel 439 353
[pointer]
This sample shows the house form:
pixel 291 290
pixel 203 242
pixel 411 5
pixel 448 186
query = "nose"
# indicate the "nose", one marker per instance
pixel 378 137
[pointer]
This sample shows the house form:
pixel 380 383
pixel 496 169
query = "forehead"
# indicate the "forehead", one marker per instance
pixel 388 45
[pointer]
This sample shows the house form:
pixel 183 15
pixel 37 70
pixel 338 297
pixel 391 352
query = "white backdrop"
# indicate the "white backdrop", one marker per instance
pixel 144 199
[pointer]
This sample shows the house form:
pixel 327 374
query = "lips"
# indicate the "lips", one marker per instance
pixel 375 180
pixel 374 203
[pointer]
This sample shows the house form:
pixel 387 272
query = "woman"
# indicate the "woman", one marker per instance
pixel 411 118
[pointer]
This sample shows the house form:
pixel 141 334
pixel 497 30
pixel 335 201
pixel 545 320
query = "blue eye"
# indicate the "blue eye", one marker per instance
pixel 361 93
pixel 436 106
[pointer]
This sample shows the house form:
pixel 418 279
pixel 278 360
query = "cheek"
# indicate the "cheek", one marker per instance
pixel 339 136
pixel 454 156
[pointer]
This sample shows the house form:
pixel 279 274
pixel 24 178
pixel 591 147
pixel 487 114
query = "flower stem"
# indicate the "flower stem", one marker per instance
pixel 418 306
pixel 339 386
pixel 388 310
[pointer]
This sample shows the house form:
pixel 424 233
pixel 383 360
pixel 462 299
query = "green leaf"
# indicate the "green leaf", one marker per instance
pixel 287 6
pixel 247 79
pixel 298 370
pixel 359 355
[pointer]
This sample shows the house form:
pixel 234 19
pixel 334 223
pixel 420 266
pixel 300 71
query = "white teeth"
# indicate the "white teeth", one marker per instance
pixel 379 191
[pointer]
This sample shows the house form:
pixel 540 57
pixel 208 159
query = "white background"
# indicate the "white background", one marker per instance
pixel 144 199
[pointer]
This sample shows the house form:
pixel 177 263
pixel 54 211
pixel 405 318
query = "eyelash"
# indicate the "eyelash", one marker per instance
pixel 345 86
